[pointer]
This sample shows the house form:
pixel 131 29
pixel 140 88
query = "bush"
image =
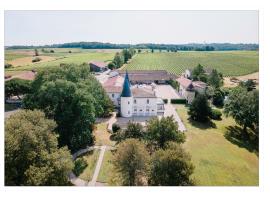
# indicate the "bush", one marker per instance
pixel 7 65
pixel 165 101
pixel 51 51
pixel 178 101
pixel 115 127
pixel 215 114
pixel 36 59
pixel 80 165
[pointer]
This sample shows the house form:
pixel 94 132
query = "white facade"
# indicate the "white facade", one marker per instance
pixel 144 107
pixel 126 106
pixel 188 95
pixel 115 97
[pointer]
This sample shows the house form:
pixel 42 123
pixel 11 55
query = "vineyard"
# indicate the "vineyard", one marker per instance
pixel 230 63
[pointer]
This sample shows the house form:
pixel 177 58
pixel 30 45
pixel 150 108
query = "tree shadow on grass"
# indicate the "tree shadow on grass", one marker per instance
pixel 236 136
pixel 202 125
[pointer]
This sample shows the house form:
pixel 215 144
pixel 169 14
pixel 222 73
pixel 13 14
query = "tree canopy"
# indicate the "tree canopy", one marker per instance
pixel 32 156
pixel 73 98
pixel 243 106
pixel 161 131
pixel 171 167
pixel 131 162
pixel 215 79
pixel 16 87
pixel 200 109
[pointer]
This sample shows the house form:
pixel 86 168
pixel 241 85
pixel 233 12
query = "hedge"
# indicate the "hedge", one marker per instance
pixel 178 101
pixel 165 100
pixel 215 114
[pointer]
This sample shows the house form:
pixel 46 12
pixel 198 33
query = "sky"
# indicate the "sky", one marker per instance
pixel 130 27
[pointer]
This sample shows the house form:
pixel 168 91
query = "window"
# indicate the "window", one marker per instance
pixel 112 95
pixel 147 110
pixel 141 110
pixel 147 101
pixel 152 110
pixel 135 110
pixel 135 101
pixel 128 112
pixel 128 102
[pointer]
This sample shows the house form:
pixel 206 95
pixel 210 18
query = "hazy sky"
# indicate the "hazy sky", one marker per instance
pixel 178 27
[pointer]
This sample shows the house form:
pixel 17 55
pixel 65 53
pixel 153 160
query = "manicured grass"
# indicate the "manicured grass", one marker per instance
pixel 230 63
pixel 102 135
pixel 91 159
pixel 218 161
pixel 106 168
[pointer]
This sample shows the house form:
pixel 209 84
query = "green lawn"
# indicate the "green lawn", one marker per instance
pixel 230 63
pixel 218 161
pixel 91 159
pixel 106 168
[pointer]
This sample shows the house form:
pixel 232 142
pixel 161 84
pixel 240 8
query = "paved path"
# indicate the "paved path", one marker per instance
pixel 77 181
pixel 171 111
pixel 9 113
pixel 98 166
pixel 111 121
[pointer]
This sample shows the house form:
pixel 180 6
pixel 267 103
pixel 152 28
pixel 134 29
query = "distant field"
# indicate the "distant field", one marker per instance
pixel 22 59
pixel 230 63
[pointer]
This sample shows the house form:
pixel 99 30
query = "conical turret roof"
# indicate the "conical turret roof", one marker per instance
pixel 126 92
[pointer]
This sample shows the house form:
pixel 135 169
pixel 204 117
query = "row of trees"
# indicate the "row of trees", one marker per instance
pixel 121 58
pixel 152 156
pixel 181 47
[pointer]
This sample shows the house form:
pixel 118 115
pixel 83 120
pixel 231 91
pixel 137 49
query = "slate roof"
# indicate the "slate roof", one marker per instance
pixel 126 92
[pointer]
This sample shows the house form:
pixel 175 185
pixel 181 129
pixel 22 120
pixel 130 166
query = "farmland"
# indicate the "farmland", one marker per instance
pixel 230 63
pixel 22 59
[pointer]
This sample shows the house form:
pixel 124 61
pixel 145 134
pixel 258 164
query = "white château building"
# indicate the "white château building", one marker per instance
pixel 136 100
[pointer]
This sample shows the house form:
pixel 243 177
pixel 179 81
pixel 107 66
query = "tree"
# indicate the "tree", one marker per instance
pixel 215 79
pixel 198 73
pixel 131 162
pixel 249 84
pixel 118 60
pixel 16 87
pixel 73 98
pixel 36 52
pixel 243 106
pixel 32 156
pixel 152 50
pixel 159 132
pixel 171 167
pixel 200 109
pixel 111 65
pixel 126 54
pixel 218 98
pixel 139 50
pixel 174 84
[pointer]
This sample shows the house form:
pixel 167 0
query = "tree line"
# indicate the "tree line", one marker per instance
pixel 177 47
pixel 121 58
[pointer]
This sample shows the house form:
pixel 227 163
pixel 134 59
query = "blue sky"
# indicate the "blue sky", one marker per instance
pixel 171 27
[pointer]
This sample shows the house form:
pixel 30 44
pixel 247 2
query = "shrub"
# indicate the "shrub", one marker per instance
pixel 51 51
pixel 215 114
pixel 36 59
pixel 178 101
pixel 80 165
pixel 115 127
pixel 7 65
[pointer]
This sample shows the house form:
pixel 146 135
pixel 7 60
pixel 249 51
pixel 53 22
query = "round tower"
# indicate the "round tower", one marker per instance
pixel 126 99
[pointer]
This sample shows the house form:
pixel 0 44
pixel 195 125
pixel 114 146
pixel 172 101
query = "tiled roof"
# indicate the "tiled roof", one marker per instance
pixel 148 75
pixel 199 84
pixel 99 64
pixel 186 83
pixel 142 93
pixel 113 89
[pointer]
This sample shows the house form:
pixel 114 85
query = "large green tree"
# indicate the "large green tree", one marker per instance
pixel 118 60
pixel 243 106
pixel 161 131
pixel 16 87
pixel 200 109
pixel 131 162
pixel 73 98
pixel 215 79
pixel 32 156
pixel 171 167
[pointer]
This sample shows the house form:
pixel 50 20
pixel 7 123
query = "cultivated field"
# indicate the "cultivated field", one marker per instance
pixel 22 59
pixel 230 63
pixel 218 161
